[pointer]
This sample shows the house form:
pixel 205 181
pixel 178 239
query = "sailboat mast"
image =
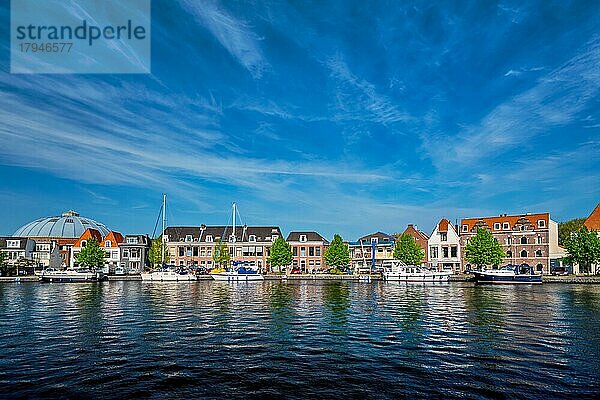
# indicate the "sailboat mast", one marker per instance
pixel 162 236
pixel 233 252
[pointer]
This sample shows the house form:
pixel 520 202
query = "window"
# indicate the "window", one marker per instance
pixel 443 236
pixel 318 263
pixel 295 251
pixel 445 252
pixel 125 253
pixel 132 240
pixel 497 226
pixel 524 253
pixel 303 238
pixel 115 254
pixel 273 237
pixel 195 251
pixel 541 223
pixel 523 240
pixel 107 243
pixel 311 251
pixel 302 251
pixel 318 251
pixel 540 240
pixel 509 254
pixel 506 226
pixel 13 243
pixel 188 238
pixel 209 238
pixel 523 228
pixel 231 239
pixel 83 243
pixel 181 251
pixel 374 240
pixel 538 253
pixel 509 240
pixel 252 238
pixel 454 251
pixel 433 251
pixel 465 228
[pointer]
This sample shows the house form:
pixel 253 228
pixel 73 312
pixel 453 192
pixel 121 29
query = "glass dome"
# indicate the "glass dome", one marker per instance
pixel 68 225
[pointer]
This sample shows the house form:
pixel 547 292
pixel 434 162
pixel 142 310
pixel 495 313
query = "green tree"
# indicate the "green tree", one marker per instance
pixel 92 255
pixel 155 256
pixel 584 248
pixel 5 268
pixel 221 255
pixel 337 254
pixel 483 249
pixel 281 253
pixel 567 228
pixel 408 251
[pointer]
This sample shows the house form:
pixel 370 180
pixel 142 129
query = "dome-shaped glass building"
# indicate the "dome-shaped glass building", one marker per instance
pixel 68 226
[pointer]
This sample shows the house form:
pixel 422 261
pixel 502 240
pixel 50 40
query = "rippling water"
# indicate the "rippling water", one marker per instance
pixel 298 340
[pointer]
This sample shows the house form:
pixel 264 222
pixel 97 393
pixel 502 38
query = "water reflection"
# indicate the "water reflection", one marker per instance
pixel 336 298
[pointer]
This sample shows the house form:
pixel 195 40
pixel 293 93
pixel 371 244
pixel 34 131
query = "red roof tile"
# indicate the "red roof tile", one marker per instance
pixel 593 221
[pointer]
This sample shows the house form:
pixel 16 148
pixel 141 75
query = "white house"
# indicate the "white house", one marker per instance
pixel 444 247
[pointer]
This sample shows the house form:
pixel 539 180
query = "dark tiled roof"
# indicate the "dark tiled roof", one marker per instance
pixel 242 234
pixel 381 237
pixel 143 240
pixel 310 237
pixel 22 243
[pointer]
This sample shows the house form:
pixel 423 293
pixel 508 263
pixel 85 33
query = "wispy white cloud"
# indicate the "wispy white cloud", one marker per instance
pixel 234 34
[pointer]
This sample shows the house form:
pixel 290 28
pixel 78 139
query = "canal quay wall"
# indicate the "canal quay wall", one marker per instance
pixel 568 279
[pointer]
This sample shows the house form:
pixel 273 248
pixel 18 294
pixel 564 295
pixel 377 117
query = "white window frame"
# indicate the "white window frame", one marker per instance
pixel 465 228
pixel 541 223
pixel 209 238
pixel 496 226
pixel 505 226
pixel 252 238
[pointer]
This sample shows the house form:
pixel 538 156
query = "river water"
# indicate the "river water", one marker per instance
pixel 298 340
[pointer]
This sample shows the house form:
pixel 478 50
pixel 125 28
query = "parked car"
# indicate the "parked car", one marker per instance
pixel 296 271
pixel 560 271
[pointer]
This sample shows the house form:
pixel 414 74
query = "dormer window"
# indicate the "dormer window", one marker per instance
pixel 13 243
pixel 497 226
pixel 252 238
pixel 209 238
pixel 465 228
pixel 523 228
pixel 303 238
pixel 83 243
pixel 506 226
pixel 273 237
pixel 132 240
pixel 188 238
pixel 107 243
pixel 231 239
pixel 541 223
pixel 374 240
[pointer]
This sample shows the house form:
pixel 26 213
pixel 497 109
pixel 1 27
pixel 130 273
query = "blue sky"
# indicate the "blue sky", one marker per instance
pixel 339 116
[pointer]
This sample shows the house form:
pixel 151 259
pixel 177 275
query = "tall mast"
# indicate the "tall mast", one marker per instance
pixel 162 236
pixel 233 252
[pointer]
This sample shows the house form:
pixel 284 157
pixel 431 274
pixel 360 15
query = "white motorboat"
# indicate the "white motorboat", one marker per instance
pixel 400 272
pixel 169 275
pixel 72 275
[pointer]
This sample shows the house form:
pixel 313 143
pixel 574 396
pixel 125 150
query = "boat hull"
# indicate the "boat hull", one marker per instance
pixel 433 277
pixel 72 278
pixel 168 277
pixel 235 277
pixel 482 277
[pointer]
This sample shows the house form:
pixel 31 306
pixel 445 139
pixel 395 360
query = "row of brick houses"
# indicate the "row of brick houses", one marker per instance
pixel 526 238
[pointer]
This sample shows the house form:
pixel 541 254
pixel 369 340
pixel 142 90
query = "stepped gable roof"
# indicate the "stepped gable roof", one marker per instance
pixel 593 221
pixel 513 220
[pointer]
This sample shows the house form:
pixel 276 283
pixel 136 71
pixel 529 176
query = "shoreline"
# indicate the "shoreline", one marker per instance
pixel 551 279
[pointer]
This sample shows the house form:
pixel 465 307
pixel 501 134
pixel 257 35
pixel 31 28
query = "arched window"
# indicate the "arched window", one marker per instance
pixel 107 243
pixel 523 240
pixel 538 253
pixel 83 243
pixel 524 254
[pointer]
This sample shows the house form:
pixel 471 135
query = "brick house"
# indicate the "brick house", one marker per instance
pixel 527 238
pixel 195 246
pixel 376 248
pixel 308 249
pixel 421 238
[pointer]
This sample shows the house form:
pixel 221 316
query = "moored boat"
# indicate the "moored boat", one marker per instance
pixel 72 275
pixel 400 272
pixel 508 274
pixel 241 272
pixel 169 275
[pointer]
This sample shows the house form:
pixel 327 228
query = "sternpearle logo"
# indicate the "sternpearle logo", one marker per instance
pixel 80 36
